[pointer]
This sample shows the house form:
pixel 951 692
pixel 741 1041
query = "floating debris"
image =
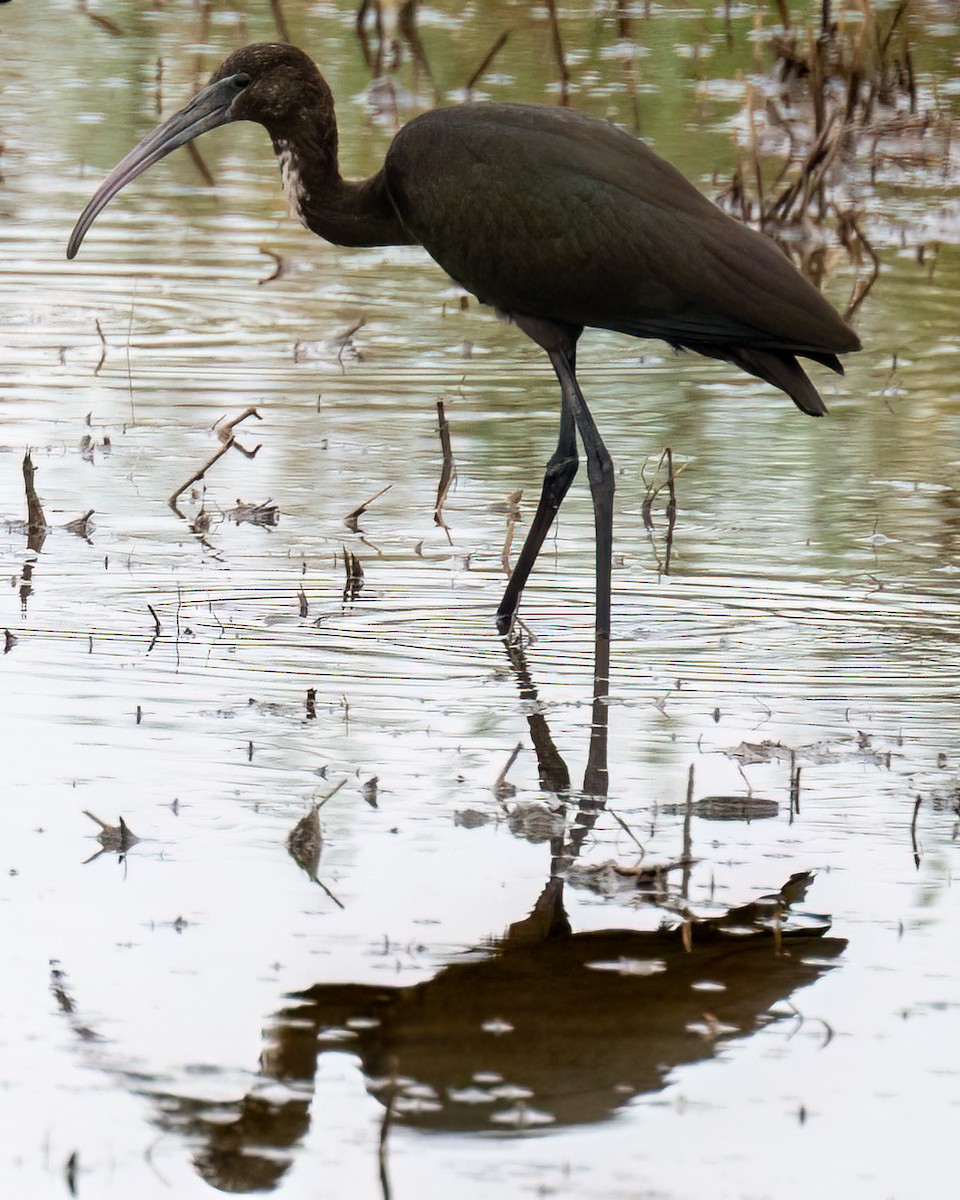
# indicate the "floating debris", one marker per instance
pixel 266 513
pixel 470 818
pixel 118 838
pixel 305 842
pixel 501 788
pixel 611 878
pixel 82 527
pixel 735 808
pixel 336 348
pixel 536 822
pixel 761 752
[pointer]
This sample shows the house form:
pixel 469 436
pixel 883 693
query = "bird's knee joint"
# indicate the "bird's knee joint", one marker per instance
pixel 563 466
pixel 601 473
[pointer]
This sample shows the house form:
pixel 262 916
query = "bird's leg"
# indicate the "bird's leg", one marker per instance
pixel 600 474
pixel 595 776
pixel 561 469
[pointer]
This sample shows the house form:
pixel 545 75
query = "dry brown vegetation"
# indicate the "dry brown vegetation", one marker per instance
pixel 840 113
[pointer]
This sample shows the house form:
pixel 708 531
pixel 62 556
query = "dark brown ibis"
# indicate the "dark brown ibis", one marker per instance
pixel 558 220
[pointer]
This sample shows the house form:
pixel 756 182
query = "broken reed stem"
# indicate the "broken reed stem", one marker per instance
pixel 901 10
pixel 280 21
pixel 104 22
pixel 687 851
pixel 671 509
pixel 780 208
pixel 501 788
pixel 488 59
pixel 795 791
pixel 446 471
pixel 205 173
pixel 350 520
pixel 225 434
pixel 556 43
pixel 507 542
pixel 353 572
pixel 35 518
pixel 754 151
pixel 861 290
pixel 338 902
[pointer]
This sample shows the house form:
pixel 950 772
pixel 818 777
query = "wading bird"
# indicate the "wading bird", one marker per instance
pixel 558 220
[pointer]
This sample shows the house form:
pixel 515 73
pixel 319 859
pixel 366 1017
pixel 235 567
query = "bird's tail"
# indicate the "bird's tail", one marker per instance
pixel 778 367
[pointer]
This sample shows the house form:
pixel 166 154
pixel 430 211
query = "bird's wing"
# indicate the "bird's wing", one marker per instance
pixel 545 212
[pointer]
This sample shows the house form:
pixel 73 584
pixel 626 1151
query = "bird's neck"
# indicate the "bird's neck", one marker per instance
pixel 341 211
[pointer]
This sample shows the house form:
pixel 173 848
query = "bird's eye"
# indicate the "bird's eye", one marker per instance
pixel 241 81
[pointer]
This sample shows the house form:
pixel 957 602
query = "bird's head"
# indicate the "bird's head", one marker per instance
pixel 270 83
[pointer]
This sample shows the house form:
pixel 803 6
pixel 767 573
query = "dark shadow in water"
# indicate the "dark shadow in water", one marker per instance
pixel 540 1025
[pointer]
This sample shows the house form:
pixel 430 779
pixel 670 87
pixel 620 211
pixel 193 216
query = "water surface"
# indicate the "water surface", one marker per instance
pixel 196 1011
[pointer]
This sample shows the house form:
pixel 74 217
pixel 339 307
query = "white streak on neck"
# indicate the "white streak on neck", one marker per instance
pixel 293 190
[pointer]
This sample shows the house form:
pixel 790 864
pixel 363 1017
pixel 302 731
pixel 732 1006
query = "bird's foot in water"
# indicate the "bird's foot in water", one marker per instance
pixel 514 631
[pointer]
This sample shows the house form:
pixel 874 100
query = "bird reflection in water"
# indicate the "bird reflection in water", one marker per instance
pixel 540 1025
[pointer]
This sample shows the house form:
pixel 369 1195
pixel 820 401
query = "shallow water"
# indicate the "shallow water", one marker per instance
pixel 195 1011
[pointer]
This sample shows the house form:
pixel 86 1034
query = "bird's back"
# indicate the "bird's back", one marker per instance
pixel 545 212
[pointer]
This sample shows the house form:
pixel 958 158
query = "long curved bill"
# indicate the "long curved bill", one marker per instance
pixel 209 108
